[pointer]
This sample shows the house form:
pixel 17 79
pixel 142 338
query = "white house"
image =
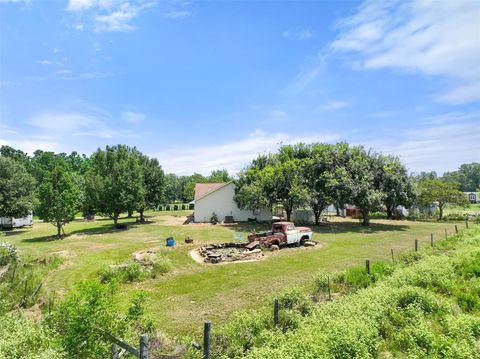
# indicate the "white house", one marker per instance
pixel 473 197
pixel 218 198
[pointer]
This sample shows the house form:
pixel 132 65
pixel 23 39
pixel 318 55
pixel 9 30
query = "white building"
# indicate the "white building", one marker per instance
pixel 473 197
pixel 218 198
pixel 11 222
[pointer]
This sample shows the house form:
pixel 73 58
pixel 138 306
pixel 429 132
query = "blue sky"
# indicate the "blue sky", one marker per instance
pixel 206 85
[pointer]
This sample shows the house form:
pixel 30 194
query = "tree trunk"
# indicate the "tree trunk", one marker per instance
pixel 289 213
pixel 115 218
pixel 141 215
pixel 130 213
pixel 317 217
pixel 338 211
pixel 440 207
pixel 365 219
pixel 389 212
pixel 59 229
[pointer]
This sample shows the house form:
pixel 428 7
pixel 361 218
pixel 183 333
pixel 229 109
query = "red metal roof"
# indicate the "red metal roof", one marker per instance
pixel 202 189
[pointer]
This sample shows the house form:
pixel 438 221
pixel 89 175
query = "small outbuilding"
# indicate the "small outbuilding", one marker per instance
pixel 11 222
pixel 218 199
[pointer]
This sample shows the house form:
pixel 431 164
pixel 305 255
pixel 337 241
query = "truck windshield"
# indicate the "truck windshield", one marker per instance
pixel 277 228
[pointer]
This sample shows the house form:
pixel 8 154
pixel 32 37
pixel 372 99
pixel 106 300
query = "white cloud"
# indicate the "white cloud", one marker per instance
pixel 63 121
pixel 92 122
pixel 232 156
pixel 456 116
pixel 82 5
pixel 13 1
pixel 335 105
pixel 133 117
pixel 30 146
pixel 107 15
pixel 437 38
pixel 438 143
pixel 178 14
pixel 118 20
pixel 307 74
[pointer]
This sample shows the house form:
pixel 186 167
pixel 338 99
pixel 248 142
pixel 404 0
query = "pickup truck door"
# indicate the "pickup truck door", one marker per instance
pixel 292 234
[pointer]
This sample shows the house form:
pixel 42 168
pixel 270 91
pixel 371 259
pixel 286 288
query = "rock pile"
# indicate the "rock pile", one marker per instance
pixel 228 252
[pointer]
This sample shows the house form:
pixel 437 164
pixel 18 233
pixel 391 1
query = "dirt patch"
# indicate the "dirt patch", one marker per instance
pixel 172 220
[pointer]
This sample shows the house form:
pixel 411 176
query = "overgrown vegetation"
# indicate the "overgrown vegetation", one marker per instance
pixel 426 305
pixel 149 267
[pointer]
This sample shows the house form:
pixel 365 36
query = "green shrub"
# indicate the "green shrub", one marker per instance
pixel 320 282
pixel 410 257
pixel 162 266
pixel 8 253
pixel 293 298
pixel 83 319
pixel 108 274
pixel 357 278
pixel 469 299
pixel 132 272
pixel 24 339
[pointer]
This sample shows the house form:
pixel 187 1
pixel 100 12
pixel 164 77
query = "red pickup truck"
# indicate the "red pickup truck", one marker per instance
pixel 282 233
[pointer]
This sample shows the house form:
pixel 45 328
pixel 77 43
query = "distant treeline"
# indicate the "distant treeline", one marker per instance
pixel 121 179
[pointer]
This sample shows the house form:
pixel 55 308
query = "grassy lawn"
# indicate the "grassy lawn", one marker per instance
pixel 193 292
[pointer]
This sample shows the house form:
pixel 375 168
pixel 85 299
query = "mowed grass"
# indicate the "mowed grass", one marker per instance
pixel 180 301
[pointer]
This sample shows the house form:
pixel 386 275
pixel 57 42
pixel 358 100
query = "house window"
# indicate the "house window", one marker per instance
pixel 473 197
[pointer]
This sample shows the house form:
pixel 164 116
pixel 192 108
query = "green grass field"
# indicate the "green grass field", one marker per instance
pixel 180 300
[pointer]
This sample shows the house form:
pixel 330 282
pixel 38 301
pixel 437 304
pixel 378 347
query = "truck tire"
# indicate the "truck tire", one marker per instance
pixel 302 241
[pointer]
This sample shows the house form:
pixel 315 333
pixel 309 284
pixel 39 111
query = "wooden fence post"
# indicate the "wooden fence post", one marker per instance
pixel 393 258
pixel 456 229
pixel 431 240
pixel 367 265
pixel 446 234
pixel 275 313
pixel 143 346
pixel 466 223
pixel 206 340
pixel 114 352
pixel 416 245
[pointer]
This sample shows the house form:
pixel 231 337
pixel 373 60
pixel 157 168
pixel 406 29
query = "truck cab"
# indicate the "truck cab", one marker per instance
pixel 283 233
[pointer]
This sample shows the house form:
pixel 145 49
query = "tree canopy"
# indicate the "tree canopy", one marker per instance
pixel 16 189
pixel 441 192
pixel 59 197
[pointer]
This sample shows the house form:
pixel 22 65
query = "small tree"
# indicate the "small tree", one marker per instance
pixel 365 182
pixel 118 174
pixel 442 192
pixel 16 189
pixel 397 186
pixel 59 198
pixel 285 183
pixel 250 196
pixel 153 183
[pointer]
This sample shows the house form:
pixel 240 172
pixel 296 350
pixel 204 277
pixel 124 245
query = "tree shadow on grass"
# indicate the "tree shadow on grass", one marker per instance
pixel 352 227
pixel 331 227
pixel 13 232
pixel 105 227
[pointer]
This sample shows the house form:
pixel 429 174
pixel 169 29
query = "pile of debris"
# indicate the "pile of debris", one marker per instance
pixel 229 252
